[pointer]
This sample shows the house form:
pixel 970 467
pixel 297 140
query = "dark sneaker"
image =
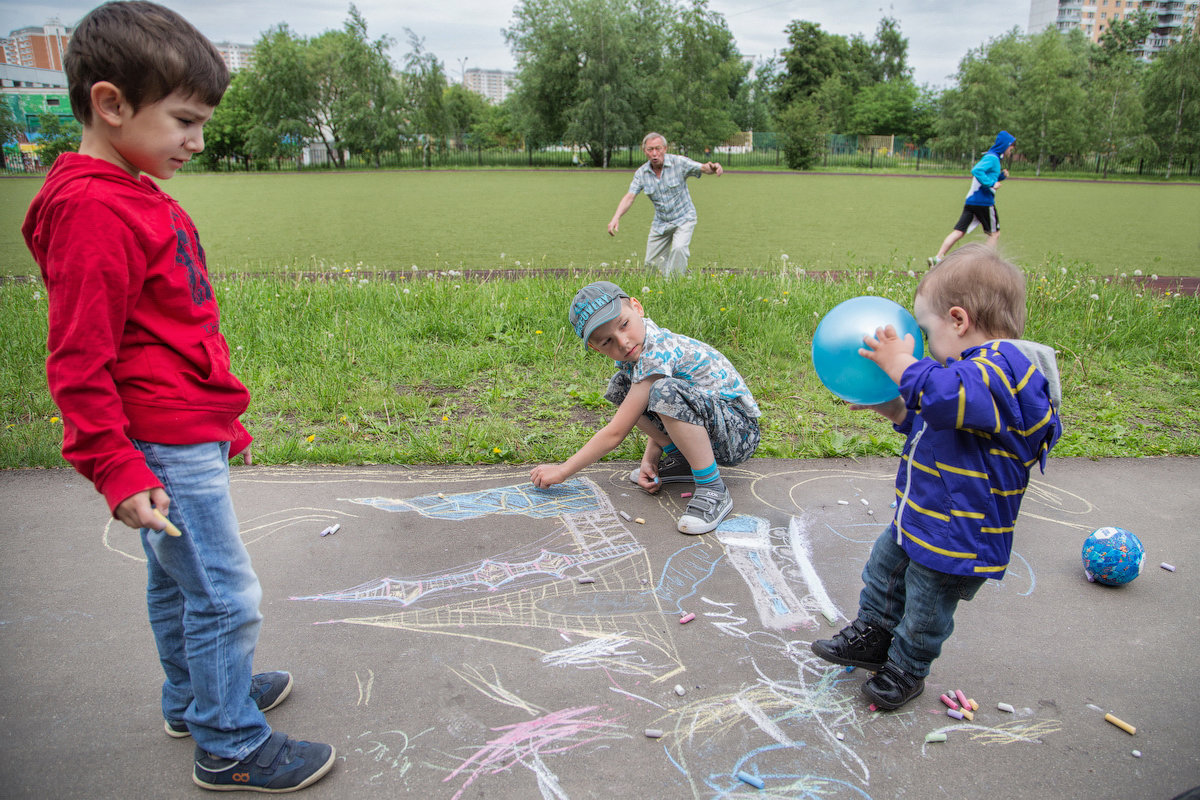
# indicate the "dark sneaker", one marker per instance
pixel 268 689
pixel 671 469
pixel 859 644
pixel 705 510
pixel 281 765
pixel 892 687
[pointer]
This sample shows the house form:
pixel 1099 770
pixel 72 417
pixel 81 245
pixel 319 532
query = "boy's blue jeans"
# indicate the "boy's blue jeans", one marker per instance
pixel 203 597
pixel 912 601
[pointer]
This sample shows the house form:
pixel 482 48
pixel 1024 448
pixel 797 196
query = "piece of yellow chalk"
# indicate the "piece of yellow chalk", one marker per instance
pixel 974 705
pixel 1120 723
pixel 639 521
pixel 967 715
pixel 168 526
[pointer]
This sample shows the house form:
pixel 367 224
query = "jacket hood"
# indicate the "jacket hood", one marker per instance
pixel 1043 357
pixel 1003 140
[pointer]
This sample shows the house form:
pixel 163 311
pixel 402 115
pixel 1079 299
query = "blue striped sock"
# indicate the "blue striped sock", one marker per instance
pixel 669 451
pixel 710 476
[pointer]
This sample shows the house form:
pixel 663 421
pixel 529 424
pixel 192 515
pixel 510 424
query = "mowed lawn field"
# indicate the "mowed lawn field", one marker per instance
pixel 554 219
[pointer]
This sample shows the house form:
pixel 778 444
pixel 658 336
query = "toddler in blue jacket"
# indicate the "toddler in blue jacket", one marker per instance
pixel 979 414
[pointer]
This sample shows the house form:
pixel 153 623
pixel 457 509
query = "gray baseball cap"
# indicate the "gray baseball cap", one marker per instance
pixel 594 305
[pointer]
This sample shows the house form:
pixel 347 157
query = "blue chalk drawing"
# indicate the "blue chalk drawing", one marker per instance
pixel 576 494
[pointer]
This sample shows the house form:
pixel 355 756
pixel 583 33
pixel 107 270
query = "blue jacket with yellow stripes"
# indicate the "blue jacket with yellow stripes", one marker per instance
pixel 976 427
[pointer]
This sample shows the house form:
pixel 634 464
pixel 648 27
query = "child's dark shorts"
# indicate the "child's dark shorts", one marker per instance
pixel 733 433
pixel 987 217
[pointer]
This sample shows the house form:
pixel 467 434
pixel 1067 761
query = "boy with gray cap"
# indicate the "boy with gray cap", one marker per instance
pixel 691 403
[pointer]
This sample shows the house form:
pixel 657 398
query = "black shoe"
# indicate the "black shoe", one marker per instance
pixel 859 644
pixel 892 687
pixel 280 765
pixel 671 469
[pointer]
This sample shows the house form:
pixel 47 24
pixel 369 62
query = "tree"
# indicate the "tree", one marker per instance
pixel 227 134
pixel 464 109
pixel 424 84
pixel 497 126
pixel 752 103
pixel 283 94
pixel 890 51
pixel 703 74
pixel 801 137
pixel 587 70
pixel 10 130
pixel 1173 100
pixel 56 136
pixel 1051 97
pixel 980 104
pixel 885 109
pixel 369 111
pixel 1114 89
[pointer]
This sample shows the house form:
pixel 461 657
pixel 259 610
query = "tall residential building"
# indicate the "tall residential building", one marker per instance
pixel 1171 18
pixel 494 84
pixel 237 56
pixel 39 47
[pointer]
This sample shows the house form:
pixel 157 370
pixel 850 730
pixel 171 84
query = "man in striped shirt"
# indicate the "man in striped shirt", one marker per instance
pixel 663 178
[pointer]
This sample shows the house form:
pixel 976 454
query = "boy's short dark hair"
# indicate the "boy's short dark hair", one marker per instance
pixel 978 280
pixel 145 50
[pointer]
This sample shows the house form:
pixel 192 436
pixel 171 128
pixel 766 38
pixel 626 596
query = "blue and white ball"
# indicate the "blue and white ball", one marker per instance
pixel 1113 556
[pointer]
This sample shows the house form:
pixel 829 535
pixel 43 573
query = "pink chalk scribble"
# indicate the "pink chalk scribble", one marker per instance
pixel 525 742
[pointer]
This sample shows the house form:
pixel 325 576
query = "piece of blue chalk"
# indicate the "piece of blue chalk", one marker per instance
pixel 850 668
pixel 750 779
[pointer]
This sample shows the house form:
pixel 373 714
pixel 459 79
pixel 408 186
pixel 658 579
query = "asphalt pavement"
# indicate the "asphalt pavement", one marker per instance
pixel 463 634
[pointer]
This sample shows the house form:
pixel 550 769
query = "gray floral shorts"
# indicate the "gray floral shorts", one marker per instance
pixel 733 433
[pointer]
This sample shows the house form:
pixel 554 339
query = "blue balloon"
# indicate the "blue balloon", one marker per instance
pixel 839 336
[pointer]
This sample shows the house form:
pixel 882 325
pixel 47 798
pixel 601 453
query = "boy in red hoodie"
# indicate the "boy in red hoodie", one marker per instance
pixel 141 373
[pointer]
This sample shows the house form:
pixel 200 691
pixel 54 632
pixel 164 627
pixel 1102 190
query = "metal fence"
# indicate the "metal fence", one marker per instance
pixel 842 153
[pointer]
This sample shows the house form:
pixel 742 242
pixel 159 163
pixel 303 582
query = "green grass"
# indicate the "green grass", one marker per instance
pixel 356 370
pixel 505 219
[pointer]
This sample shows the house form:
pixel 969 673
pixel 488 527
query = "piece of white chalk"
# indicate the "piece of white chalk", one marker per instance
pixel 843 502
pixel 332 529
pixel 1137 753
pixel 1167 567
pixel 653 733
pixel 587 579
pixel 1006 707
pixel 864 501
pixel 679 690
pixel 441 496
pixel 625 516
pixel 841 737
pixel 686 618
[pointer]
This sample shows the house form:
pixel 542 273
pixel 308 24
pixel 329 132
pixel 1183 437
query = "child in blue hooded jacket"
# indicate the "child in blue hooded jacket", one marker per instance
pixel 979 414
pixel 980 206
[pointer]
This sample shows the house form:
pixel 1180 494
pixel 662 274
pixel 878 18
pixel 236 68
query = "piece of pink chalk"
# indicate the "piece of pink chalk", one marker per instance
pixel 962 698
pixel 950 712
pixel 685 494
pixel 686 618
pixel 873 707
pixel 946 699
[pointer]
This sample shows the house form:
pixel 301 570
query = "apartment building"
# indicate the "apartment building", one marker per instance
pixel 40 47
pixel 1093 17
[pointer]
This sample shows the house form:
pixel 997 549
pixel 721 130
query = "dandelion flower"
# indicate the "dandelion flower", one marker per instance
pixel 54 420
pixel 445 418
pixel 342 418
pixel 310 437
pixel 495 449
pixel 645 290
pixel 539 333
pixel 1094 296
pixel 783 257
pixel 1137 272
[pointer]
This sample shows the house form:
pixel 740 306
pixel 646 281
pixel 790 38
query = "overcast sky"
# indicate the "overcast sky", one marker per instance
pixel 467 33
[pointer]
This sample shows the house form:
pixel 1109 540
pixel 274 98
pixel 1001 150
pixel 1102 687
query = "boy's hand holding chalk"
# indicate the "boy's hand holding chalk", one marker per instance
pixel 168 526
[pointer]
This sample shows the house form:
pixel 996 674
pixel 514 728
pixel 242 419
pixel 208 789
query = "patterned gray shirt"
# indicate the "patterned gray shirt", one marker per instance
pixel 669 193
pixel 673 355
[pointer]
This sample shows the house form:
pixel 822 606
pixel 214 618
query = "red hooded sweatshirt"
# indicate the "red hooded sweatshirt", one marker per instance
pixel 135 346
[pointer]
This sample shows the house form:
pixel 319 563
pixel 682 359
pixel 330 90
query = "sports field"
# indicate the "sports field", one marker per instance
pixel 494 219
